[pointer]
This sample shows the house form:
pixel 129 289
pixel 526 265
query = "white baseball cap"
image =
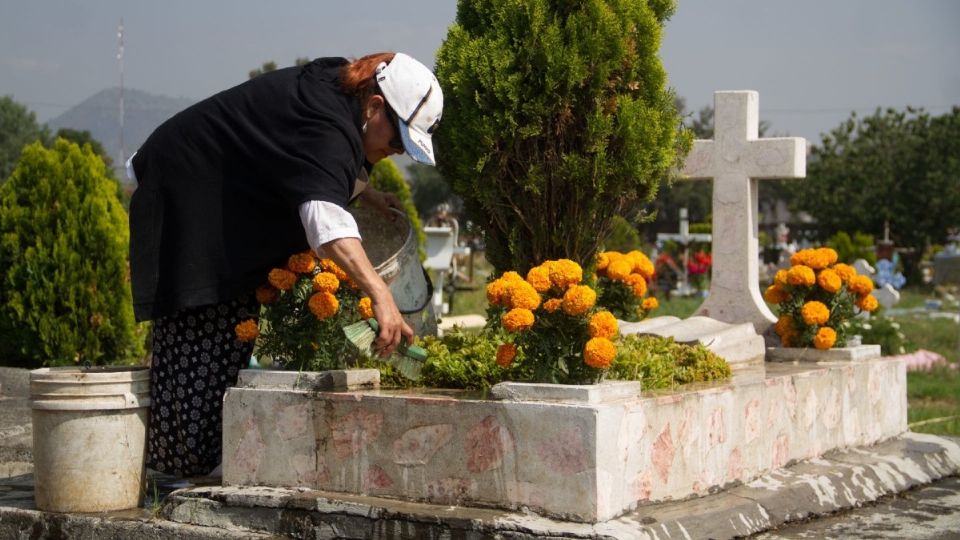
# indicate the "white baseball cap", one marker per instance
pixel 413 92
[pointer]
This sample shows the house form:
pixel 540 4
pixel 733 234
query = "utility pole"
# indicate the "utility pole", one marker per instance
pixel 123 153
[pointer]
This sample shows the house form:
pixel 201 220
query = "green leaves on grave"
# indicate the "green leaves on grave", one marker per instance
pixel 64 284
pixel 557 119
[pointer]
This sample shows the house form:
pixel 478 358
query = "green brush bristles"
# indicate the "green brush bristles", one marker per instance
pixel 362 334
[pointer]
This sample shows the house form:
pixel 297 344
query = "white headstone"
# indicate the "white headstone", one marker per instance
pixel 887 296
pixel 863 267
pixel 735 159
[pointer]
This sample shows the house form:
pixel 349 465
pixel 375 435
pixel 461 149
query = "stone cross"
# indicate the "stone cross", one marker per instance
pixel 735 159
pixel 684 238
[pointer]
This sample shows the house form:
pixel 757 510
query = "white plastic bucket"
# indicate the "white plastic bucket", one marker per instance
pixel 89 437
pixel 391 247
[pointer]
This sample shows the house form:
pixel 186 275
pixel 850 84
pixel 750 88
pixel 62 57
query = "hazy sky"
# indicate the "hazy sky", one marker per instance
pixel 812 61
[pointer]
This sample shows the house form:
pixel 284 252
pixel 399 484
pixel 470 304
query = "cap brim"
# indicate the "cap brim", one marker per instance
pixel 418 145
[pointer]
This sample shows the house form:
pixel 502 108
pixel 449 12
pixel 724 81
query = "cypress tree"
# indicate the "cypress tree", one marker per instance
pixel 64 284
pixel 557 118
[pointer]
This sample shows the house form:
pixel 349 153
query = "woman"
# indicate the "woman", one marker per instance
pixel 228 189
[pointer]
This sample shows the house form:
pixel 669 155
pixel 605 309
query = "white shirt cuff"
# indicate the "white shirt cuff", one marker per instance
pixel 324 222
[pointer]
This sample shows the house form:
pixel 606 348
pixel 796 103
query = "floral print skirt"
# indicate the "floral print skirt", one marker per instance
pixel 196 357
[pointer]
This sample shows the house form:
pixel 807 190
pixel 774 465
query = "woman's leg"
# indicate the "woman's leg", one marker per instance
pixel 196 357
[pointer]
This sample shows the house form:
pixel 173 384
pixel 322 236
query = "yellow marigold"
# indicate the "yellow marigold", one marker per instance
pixel 638 283
pixel 780 278
pixel 282 279
pixel 505 354
pixel 323 305
pixel 247 331
pixel 603 324
pixel 565 273
pixel 825 338
pixel 511 276
pixel 517 320
pixel 520 294
pixel 326 282
pixel 829 280
pixel 365 307
pixel 801 275
pixel 552 305
pixel 868 302
pixel 845 271
pixel 496 290
pixel 619 269
pixel 787 340
pixel 578 300
pixel 650 304
pixel 814 258
pixel 829 255
pixel 329 266
pixel 266 294
pixel 814 312
pixel 301 263
pixel 785 326
pixel 775 294
pixel 860 285
pixel 539 278
pixel 599 352
pixel 603 259
pixel 641 264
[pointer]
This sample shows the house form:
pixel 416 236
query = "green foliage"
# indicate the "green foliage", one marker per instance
pixel 882 331
pixel 556 120
pixel 461 360
pixel 899 167
pixel 18 128
pixel 850 249
pixel 623 236
pixel 663 363
pixel 386 177
pixel 65 292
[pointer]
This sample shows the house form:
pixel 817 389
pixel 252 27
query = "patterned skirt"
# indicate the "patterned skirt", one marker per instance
pixel 196 357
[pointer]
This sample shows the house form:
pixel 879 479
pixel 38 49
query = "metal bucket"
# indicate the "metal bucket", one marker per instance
pixel 89 437
pixel 391 247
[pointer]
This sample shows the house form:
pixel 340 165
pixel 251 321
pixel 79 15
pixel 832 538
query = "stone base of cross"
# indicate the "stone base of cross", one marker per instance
pixel 735 160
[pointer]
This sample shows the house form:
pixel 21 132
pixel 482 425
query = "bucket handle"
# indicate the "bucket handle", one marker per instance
pixel 427 300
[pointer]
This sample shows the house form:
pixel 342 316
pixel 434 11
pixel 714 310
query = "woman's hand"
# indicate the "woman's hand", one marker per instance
pixel 381 201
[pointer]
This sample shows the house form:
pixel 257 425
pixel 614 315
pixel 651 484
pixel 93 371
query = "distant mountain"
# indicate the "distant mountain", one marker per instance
pixel 100 115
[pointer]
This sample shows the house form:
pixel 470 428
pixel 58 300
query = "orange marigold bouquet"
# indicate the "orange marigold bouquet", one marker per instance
pixel 554 319
pixel 815 297
pixel 622 280
pixel 304 307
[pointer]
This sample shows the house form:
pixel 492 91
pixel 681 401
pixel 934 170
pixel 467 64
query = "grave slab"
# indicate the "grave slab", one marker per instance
pixel 573 460
pixel 811 354
pixel 738 344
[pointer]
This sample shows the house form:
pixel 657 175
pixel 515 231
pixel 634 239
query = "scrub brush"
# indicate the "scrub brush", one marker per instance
pixel 363 333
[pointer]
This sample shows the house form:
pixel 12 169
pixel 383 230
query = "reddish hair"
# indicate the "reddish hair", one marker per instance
pixel 356 78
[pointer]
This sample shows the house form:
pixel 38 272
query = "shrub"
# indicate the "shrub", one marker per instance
pixel 556 120
pixel 65 291
pixel 660 362
pixel 386 177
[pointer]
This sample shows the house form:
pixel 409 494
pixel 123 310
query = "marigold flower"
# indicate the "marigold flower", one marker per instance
pixel 638 283
pixel 505 354
pixel 619 269
pixel 565 273
pixel 829 255
pixel 603 324
pixel 552 305
pixel 603 259
pixel 814 258
pixel 517 320
pixel 651 303
pixel 520 294
pixel 282 279
pixel 511 276
pixel 801 275
pixel 578 300
pixel 266 294
pixel 329 266
pixel 247 331
pixel 814 312
pixel 495 290
pixel 787 340
pixel 539 278
pixel 323 305
pixel 845 271
pixel 641 264
pixel 599 352
pixel 825 338
pixel 301 263
pixel 785 326
pixel 775 295
pixel 829 280
pixel 860 285
pixel 326 282
pixel 365 307
pixel 868 303
pixel 780 278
